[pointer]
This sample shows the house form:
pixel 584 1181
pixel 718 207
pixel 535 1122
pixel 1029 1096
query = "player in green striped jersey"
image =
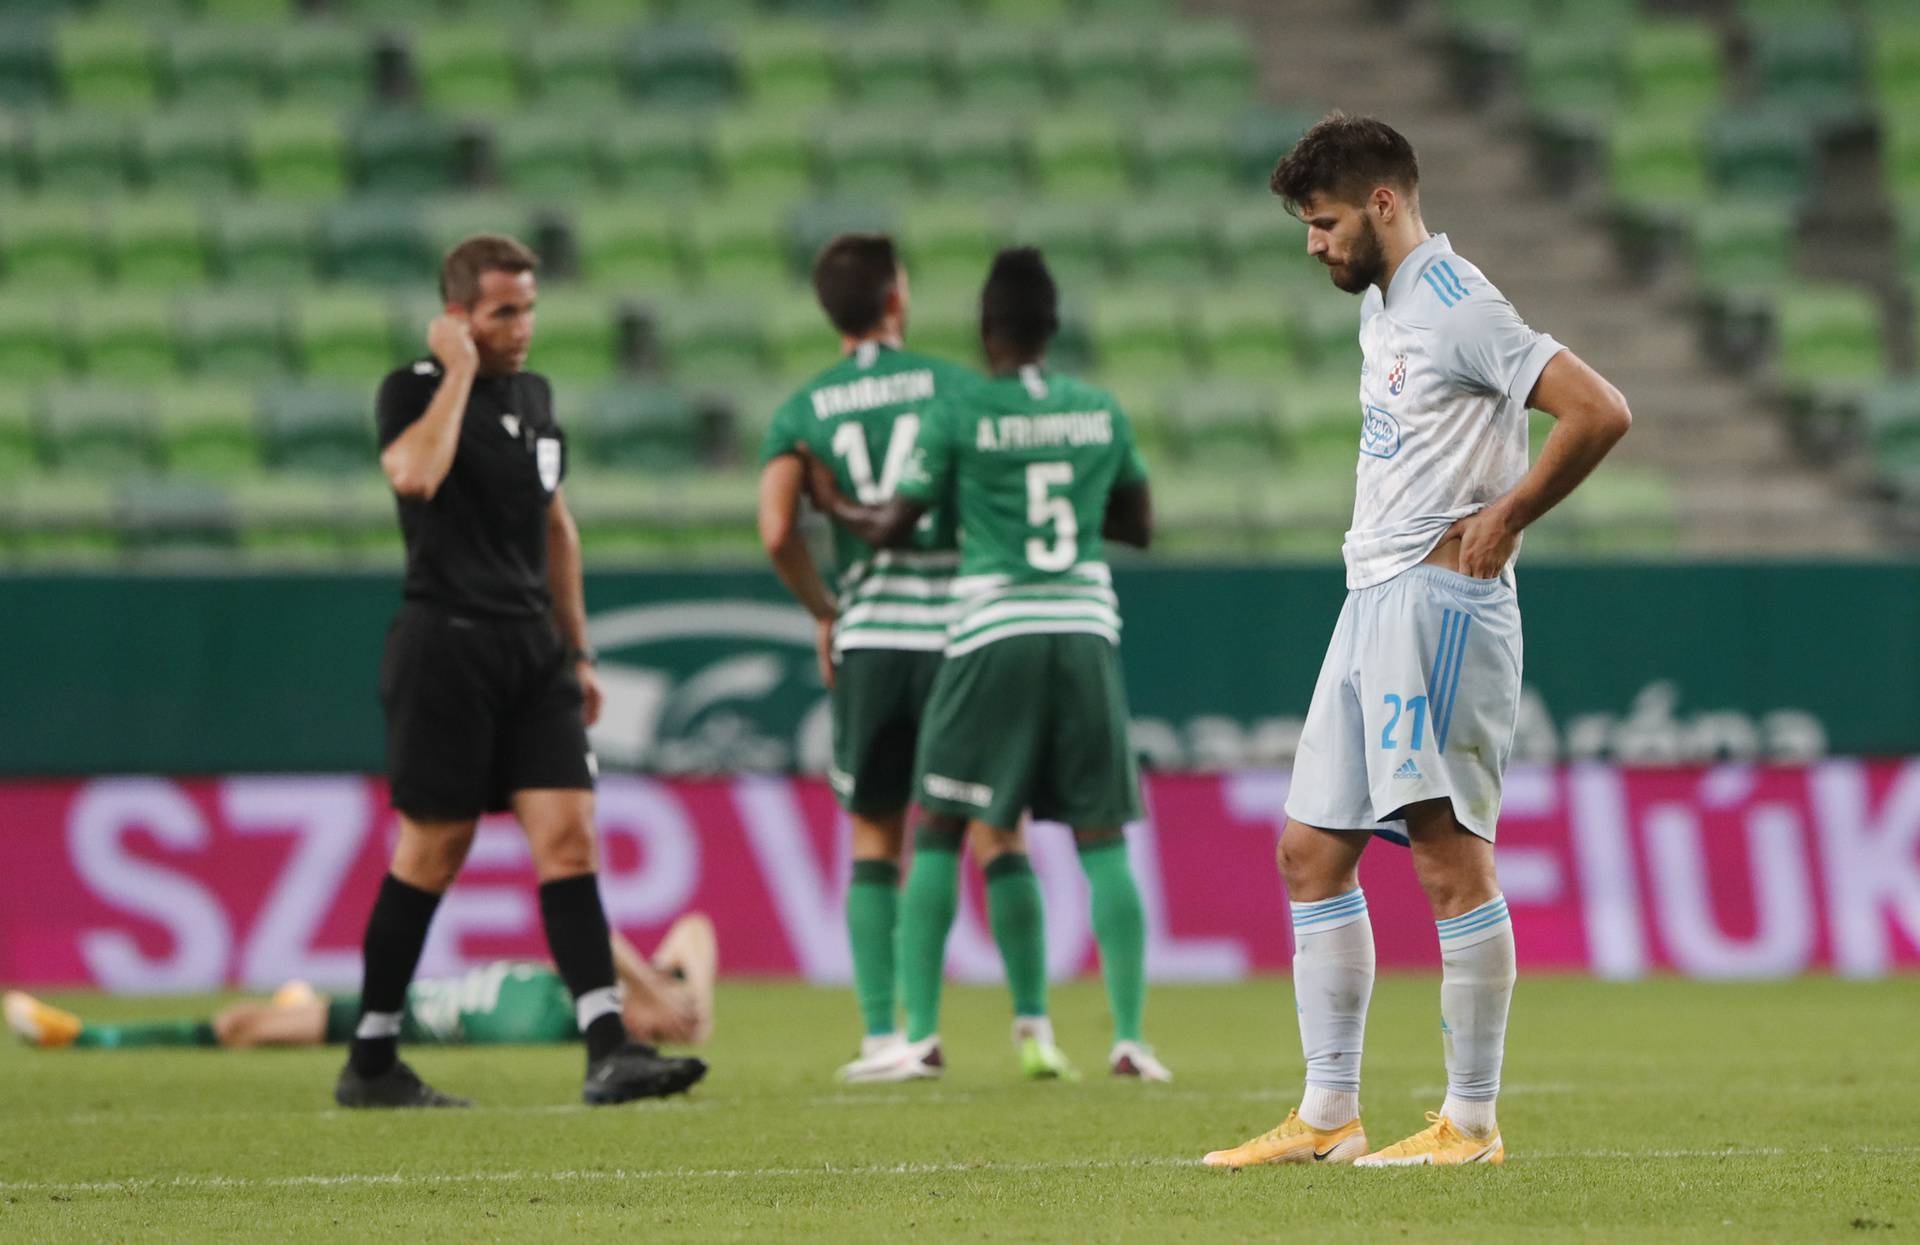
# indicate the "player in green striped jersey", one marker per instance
pixel 881 633
pixel 1029 711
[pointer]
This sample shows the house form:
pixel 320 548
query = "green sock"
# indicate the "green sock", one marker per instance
pixel 873 903
pixel 148 1033
pixel 1020 928
pixel 1120 927
pixel 926 917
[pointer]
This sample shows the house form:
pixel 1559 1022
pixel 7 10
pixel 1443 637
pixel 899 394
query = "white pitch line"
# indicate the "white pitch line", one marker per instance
pixel 892 1169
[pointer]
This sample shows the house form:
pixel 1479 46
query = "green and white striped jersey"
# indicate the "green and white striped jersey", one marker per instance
pixel 862 415
pixel 1027 463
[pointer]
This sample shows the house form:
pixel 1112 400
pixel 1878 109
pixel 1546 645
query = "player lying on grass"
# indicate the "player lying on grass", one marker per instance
pixel 1028 714
pixel 667 999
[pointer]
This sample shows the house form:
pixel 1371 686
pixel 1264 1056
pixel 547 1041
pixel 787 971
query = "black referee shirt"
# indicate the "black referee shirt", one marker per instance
pixel 480 545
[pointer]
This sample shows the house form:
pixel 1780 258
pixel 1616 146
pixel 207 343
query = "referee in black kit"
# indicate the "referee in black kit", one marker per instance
pixel 487 680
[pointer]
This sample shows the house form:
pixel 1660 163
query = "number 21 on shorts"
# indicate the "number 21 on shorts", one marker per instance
pixel 1413 707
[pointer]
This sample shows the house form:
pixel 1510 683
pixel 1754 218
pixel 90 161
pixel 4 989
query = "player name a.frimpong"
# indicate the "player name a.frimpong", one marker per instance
pixel 1025 432
pixel 872 391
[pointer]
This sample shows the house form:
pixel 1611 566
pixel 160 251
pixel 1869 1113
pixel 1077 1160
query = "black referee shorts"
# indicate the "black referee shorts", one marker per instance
pixel 477 709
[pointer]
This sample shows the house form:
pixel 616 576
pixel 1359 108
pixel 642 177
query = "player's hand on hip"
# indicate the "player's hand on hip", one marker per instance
pixel 590 694
pixel 1487 542
pixel 823 643
pixel 450 338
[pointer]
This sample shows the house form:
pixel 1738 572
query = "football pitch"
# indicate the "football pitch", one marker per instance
pixel 1666 1109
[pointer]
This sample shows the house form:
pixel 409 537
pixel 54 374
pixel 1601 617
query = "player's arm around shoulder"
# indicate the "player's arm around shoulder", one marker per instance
pixel 417 446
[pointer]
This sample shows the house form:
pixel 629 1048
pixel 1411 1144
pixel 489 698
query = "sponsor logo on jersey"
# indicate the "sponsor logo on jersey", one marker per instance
pixel 943 788
pixel 1408 770
pixel 1397 375
pixel 1379 434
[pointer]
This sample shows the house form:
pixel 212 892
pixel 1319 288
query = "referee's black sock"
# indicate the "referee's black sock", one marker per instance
pixel 396 931
pixel 577 935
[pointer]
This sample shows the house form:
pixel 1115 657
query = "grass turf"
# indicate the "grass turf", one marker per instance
pixel 1783 1112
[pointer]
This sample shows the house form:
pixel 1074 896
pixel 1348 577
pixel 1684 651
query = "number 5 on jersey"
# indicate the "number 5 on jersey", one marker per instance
pixel 1047 510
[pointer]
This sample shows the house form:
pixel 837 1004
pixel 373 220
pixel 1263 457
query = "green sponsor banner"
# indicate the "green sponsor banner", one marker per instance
pixel 709 671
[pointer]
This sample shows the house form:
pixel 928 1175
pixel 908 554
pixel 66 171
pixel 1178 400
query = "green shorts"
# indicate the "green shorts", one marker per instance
pixel 879 696
pixel 500 1004
pixel 1031 723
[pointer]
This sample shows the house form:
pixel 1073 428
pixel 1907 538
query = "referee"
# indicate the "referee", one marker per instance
pixel 487 680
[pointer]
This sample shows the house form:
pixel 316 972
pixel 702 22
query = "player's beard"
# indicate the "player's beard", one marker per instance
pixel 1366 265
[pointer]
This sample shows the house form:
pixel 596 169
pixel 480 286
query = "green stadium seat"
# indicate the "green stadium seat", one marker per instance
pixel 344 336
pixel 1763 154
pixel 872 155
pixel 1674 66
pixel 265 244
pixel 1163 241
pixel 681 65
pixel 126 338
pixel 1262 136
pixel 189 153
pixel 207 430
pixel 546 155
pixel 621 244
pixel 286 518
pixel 1254 239
pixel 64 520
pixel 656 155
pixel 1572 71
pixel 106 65
pixel 1075 240
pixel 1657 160
pixel 1246 333
pixel 635 426
pixel 1742 243
pixel 578 341
pixel 16 171
pixel 1186 153
pixel 998 67
pixel 79 153
pixel 35 341
pixel 377 241
pixel 1328 326
pixel 800 339
pixel 1828 337
pixel 764 155
pixel 784 64
pixel 948 242
pixel 157 242
pixel 1013 13
pixel 1138 335
pixel 1227 424
pixel 810 226
pixel 740 244
pixel 1896 67
pixel 1900 139
pixel 944 318
pixel 175 518
pixel 296 154
pixel 97 430
pixel 710 339
pixel 404 152
pixel 235 11
pixel 213 66
pixel 19 446
pixel 1106 65
pixel 570 66
pixel 1322 415
pixel 465 66
pixel 891 66
pixel 976 154
pixel 322 65
pixel 1810 66
pixel 1909 227
pixel 1207 64
pixel 450 221
pixel 234 335
pixel 51 243
pixel 26 63
pixel 326 429
pixel 1889 417
pixel 1079 155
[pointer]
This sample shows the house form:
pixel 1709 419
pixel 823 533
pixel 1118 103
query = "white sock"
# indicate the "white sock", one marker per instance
pixel 1476 986
pixel 1037 1027
pixel 1332 981
pixel 594 1004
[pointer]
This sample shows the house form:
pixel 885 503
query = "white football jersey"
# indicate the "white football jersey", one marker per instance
pixel 1447 367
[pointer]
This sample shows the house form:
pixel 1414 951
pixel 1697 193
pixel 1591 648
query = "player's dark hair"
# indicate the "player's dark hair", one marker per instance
pixel 852 277
pixel 1020 306
pixel 1346 157
pixel 461 270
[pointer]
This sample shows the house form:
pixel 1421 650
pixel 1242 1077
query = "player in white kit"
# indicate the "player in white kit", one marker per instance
pixel 1413 714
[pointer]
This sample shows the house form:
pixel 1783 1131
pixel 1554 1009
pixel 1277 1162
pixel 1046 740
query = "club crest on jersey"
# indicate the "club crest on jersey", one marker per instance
pixel 546 456
pixel 1397 375
pixel 1379 434
pixel 512 424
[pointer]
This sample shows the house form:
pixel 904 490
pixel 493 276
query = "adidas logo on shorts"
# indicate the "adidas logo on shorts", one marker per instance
pixel 1408 770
